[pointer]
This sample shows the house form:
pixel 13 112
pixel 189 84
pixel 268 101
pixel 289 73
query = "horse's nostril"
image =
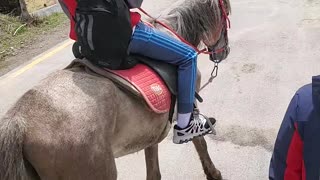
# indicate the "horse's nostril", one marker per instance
pixel 225 54
pixel 228 50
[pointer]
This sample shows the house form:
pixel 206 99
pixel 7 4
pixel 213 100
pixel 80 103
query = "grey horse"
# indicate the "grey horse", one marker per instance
pixel 73 125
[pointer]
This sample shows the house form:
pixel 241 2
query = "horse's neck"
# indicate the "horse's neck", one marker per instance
pixel 165 30
pixel 191 19
pixel 170 31
pixel 188 33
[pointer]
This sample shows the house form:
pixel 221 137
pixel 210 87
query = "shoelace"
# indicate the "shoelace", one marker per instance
pixel 198 122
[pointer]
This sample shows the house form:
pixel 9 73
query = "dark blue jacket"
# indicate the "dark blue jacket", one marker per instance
pixel 296 154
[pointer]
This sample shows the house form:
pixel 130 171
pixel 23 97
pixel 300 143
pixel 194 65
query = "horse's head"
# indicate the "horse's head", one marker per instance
pixel 202 21
pixel 216 36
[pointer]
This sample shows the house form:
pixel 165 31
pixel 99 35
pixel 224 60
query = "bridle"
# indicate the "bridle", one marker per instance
pixel 216 54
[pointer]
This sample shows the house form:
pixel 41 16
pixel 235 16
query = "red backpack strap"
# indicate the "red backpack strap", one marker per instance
pixel 69 8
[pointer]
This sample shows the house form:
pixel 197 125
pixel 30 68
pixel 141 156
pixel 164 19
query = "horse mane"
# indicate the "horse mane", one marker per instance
pixel 194 20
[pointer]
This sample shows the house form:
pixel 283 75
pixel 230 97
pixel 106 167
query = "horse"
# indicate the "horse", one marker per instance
pixel 73 124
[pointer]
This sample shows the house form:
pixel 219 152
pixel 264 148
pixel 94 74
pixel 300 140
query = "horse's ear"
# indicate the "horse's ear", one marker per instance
pixel 227 6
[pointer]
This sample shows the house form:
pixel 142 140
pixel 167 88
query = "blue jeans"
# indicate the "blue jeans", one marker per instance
pixel 157 45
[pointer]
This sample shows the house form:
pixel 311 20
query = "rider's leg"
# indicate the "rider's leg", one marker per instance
pixel 157 45
pixel 160 46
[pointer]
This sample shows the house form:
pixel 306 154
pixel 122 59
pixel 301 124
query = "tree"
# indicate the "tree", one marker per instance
pixel 25 15
pixel 17 8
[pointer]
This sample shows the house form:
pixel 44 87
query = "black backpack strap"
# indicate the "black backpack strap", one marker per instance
pixel 134 3
pixel 316 91
pixel 104 31
pixel 64 8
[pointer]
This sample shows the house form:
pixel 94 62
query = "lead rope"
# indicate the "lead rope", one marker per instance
pixel 214 74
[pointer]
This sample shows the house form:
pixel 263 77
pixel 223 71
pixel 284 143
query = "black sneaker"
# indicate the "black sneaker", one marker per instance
pixel 199 125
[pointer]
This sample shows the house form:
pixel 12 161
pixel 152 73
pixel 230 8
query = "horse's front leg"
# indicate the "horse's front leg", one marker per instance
pixel 207 165
pixel 152 163
pixel 201 146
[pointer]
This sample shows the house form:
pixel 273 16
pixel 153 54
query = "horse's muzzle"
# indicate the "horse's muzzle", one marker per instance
pixel 220 56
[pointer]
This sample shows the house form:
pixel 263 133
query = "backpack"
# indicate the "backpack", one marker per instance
pixel 134 3
pixel 103 32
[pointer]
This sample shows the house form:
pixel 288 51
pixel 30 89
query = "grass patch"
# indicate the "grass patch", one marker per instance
pixel 15 35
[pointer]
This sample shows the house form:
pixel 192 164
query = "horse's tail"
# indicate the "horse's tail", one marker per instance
pixel 12 166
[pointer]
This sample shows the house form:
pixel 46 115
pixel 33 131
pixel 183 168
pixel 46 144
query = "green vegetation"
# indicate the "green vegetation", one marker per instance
pixel 15 35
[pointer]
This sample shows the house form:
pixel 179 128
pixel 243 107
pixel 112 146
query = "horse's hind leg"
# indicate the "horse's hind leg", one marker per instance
pixel 74 155
pixel 79 165
pixel 152 163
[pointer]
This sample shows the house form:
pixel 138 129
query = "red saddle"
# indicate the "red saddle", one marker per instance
pixel 141 80
pixel 149 84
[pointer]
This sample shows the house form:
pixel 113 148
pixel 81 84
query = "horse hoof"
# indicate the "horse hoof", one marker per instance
pixel 217 176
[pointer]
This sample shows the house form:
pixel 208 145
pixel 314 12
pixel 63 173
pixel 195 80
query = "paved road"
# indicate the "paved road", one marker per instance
pixel 275 50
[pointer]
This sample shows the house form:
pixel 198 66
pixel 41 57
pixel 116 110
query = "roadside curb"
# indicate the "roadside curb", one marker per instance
pixel 47 11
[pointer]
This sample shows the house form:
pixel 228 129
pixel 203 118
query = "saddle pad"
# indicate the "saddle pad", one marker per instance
pixel 150 85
